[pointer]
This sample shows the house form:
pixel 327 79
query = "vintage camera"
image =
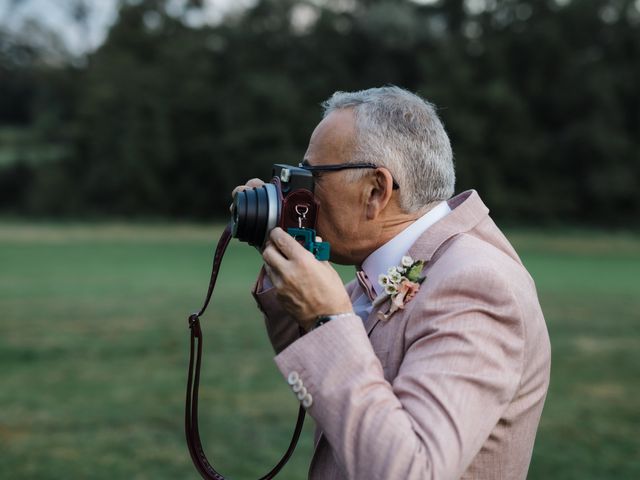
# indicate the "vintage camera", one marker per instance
pixel 287 202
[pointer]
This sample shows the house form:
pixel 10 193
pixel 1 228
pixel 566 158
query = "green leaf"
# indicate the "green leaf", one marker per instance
pixel 413 273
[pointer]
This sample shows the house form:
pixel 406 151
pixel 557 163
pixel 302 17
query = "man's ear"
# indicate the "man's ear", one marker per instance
pixel 379 192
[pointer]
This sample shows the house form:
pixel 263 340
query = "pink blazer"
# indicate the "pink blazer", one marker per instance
pixel 450 387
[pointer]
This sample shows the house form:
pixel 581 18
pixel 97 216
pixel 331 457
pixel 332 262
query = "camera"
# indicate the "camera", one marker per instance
pixel 287 202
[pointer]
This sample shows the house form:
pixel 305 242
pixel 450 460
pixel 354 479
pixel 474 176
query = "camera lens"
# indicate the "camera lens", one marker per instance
pixel 255 213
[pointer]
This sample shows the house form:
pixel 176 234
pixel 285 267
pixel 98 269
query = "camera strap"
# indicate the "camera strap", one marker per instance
pixel 191 411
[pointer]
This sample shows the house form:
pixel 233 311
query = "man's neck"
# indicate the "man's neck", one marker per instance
pixel 394 223
pixel 391 225
pixel 390 253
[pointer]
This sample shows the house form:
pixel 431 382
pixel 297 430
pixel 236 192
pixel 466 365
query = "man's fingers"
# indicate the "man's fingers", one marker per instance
pixel 273 276
pixel 289 247
pixel 253 183
pixel 239 188
pixel 274 260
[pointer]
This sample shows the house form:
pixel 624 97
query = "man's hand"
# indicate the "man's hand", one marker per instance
pixel 253 183
pixel 305 286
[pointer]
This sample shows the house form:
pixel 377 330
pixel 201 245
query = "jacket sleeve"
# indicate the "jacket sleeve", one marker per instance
pixel 461 367
pixel 282 329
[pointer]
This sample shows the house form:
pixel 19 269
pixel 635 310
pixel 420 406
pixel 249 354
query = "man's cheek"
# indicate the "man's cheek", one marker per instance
pixel 322 229
pixel 327 228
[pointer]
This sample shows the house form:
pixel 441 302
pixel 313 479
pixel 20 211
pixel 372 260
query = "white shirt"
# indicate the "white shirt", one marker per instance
pixel 390 254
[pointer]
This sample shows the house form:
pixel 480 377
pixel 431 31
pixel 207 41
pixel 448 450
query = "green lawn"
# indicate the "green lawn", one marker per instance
pixel 93 355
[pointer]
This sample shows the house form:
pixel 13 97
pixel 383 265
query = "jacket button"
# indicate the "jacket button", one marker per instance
pixel 307 401
pixel 302 393
pixel 293 377
pixel 296 387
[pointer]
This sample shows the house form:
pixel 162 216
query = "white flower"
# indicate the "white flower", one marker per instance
pixel 401 284
pixel 395 277
pixel 390 289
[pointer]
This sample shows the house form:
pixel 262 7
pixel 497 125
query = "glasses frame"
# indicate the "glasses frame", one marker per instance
pixel 342 166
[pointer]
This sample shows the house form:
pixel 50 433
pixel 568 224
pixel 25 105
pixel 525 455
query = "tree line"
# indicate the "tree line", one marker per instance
pixel 540 99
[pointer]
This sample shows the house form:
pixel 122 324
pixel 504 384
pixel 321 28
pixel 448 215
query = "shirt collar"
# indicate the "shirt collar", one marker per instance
pixel 390 254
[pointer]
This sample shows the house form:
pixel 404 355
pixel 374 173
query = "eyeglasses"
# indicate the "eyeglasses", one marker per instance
pixel 342 166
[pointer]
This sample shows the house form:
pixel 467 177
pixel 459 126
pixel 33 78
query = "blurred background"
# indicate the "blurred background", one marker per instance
pixel 124 125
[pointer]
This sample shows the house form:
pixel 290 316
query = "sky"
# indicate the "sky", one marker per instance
pixel 55 15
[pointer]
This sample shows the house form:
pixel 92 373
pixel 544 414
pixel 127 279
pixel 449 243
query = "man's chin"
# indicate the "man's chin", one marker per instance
pixel 340 259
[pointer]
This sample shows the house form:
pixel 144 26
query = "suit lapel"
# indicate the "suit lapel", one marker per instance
pixel 467 210
pixel 372 320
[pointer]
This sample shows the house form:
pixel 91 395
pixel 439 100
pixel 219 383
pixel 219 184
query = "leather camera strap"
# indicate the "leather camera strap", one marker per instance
pixel 191 411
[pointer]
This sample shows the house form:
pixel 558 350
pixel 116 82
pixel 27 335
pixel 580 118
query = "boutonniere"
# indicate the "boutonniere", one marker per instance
pixel 401 284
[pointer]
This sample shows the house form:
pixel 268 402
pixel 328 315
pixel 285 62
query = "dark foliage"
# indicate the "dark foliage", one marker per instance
pixel 540 99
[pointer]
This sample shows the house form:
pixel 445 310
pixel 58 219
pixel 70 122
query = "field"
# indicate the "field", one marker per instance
pixel 94 338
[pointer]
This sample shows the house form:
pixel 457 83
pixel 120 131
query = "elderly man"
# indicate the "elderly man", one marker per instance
pixel 434 362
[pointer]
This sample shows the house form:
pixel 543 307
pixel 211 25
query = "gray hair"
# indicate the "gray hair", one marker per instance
pixel 400 131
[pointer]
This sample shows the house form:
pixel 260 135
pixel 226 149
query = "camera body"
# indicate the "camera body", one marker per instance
pixel 287 202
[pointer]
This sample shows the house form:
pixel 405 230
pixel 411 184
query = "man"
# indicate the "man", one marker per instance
pixel 438 373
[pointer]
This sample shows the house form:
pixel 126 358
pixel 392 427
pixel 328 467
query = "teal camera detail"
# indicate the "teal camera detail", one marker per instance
pixel 307 238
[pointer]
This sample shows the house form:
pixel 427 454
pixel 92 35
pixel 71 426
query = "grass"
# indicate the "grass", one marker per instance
pixel 93 355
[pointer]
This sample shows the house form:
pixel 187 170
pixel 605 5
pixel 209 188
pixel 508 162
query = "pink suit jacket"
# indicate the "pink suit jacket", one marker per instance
pixel 450 387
